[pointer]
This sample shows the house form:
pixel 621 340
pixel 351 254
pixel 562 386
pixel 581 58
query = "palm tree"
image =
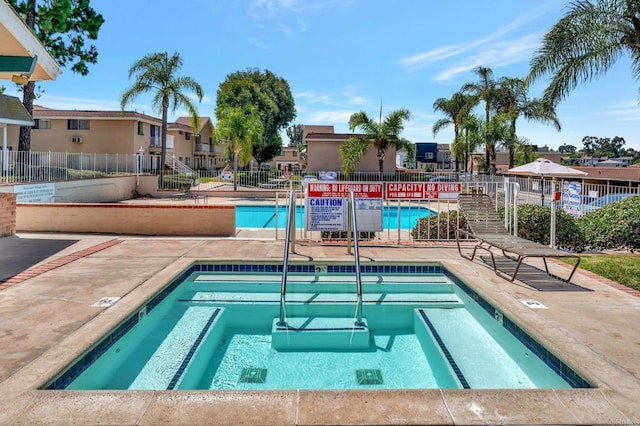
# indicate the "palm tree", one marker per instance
pixel 382 134
pixel 585 43
pixel 470 137
pixel 511 98
pixel 157 72
pixel 455 109
pixel 240 128
pixel 484 90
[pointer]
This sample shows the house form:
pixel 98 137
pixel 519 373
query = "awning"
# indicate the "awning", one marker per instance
pixel 13 112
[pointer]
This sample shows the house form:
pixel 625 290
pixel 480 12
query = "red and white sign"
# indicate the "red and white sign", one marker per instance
pixel 327 206
pixel 342 190
pixel 423 190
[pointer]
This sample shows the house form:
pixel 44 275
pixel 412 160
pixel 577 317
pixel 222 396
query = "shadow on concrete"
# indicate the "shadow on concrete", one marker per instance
pixel 19 254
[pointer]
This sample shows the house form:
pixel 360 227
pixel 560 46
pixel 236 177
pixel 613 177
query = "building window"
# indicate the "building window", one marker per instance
pixel 187 160
pixel 197 138
pixel 428 155
pixel 294 153
pixel 39 123
pixel 140 128
pixel 75 124
pixel 187 136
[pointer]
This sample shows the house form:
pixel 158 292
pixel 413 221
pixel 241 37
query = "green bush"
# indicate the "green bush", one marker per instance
pixel 441 227
pixel 534 223
pixel 613 227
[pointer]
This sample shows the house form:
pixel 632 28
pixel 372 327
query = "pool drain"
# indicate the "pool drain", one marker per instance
pixel 253 375
pixel 369 377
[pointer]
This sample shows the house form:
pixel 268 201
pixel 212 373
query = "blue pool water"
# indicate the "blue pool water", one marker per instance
pixel 266 216
pixel 216 327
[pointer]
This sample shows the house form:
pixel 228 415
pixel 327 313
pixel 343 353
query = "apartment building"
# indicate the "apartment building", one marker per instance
pixel 117 132
pixel 196 148
pixel 323 152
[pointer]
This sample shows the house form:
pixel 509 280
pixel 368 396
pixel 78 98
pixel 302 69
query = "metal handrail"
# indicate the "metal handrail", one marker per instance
pixel 356 253
pixel 285 264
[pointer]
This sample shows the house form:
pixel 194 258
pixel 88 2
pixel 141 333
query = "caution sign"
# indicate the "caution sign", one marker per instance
pixel 327 206
pixel 423 190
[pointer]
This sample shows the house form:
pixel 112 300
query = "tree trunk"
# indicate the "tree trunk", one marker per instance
pixel 163 142
pixel 28 90
pixel 235 171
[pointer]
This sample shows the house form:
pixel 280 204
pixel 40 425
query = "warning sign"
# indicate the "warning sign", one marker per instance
pixel 327 206
pixel 423 190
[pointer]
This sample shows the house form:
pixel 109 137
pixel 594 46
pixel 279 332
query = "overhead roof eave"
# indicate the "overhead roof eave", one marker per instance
pixel 13 112
pixel 18 40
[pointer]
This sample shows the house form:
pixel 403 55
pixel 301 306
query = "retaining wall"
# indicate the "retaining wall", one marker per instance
pixel 135 219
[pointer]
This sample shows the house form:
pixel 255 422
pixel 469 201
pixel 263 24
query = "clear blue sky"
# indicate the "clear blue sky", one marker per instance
pixel 342 56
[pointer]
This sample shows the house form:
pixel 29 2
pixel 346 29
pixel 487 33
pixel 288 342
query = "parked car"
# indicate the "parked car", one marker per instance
pixel 605 200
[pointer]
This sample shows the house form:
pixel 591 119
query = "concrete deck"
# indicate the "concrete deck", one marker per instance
pixel 47 321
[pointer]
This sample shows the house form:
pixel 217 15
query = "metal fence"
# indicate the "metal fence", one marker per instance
pixel 584 197
pixel 30 166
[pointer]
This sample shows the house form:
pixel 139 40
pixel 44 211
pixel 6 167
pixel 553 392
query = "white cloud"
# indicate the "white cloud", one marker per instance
pixel 338 118
pixel 438 54
pixel 493 55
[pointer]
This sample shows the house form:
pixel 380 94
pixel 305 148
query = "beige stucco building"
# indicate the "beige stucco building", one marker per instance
pixel 323 152
pixel 116 132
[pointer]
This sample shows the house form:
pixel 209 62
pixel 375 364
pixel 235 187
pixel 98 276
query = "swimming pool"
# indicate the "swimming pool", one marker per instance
pixel 266 216
pixel 215 328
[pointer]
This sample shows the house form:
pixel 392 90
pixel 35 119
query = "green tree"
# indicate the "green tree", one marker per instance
pixel 156 72
pixel 470 137
pixel 455 109
pixel 603 147
pixel 511 98
pixel 567 149
pixel 382 134
pixel 585 43
pixel 484 90
pixel 271 95
pixel 239 129
pixel 295 134
pixel 62 26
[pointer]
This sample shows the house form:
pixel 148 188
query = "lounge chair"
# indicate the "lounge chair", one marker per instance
pixel 485 226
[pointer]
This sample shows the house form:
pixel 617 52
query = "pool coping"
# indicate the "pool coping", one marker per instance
pixel 611 402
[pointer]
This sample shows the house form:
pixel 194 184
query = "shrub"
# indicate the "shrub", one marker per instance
pixel 534 223
pixel 613 227
pixel 441 227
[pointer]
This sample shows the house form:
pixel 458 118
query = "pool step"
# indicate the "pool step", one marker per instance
pixel 319 333
pixel 439 300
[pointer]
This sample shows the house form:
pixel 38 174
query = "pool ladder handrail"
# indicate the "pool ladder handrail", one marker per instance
pixel 356 253
pixel 291 218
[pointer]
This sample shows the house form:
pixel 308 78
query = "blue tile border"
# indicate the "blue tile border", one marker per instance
pixel 192 350
pixel 445 351
pixel 552 361
pixel 72 372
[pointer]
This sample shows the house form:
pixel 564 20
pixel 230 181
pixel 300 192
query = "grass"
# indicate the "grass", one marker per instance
pixel 622 268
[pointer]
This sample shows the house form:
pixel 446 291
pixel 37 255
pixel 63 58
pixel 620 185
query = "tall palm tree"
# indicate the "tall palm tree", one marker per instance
pixel 484 90
pixel 382 134
pixel 511 98
pixel 470 137
pixel 240 129
pixel 156 72
pixel 455 109
pixel 585 43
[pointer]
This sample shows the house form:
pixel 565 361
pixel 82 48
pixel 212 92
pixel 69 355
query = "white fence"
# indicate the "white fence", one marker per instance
pixel 586 196
pixel 29 166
